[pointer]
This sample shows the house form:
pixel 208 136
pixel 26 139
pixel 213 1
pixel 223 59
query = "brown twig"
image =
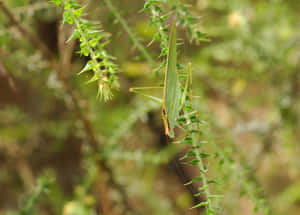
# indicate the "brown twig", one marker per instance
pixel 35 41
pixel 102 165
pixel 10 80
pixel 65 49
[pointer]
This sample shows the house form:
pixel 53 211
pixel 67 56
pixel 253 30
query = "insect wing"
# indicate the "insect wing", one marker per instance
pixel 172 92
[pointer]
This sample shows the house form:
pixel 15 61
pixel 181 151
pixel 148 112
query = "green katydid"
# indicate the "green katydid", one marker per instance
pixel 173 98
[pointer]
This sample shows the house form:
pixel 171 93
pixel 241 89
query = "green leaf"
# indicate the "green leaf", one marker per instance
pixel 93 42
pixel 84 49
pixel 89 66
pixel 74 35
pixel 194 119
pixel 193 131
pixel 200 205
pixel 101 45
pixel 71 4
pixel 188 108
pixel 210 211
pixel 92 33
pixel 181 120
pixel 197 178
pixel 214 196
pixel 96 77
pixel 211 182
pixel 187 140
pixel 189 154
pixel 199 194
pixel 203 188
pixel 68 18
pixel 78 12
pixel 204 155
pixel 193 162
pixel 164 17
pixel 57 2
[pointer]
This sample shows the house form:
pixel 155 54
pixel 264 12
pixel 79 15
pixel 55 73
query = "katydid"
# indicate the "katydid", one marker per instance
pixel 173 98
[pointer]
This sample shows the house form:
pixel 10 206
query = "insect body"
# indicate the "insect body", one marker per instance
pixel 173 98
pixel 172 92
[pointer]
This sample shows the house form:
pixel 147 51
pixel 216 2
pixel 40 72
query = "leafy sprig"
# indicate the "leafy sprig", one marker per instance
pixel 191 124
pixel 157 18
pixel 28 204
pixel 189 21
pixel 159 15
pixel 92 45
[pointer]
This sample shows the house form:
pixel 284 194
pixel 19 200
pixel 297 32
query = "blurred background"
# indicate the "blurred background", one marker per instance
pixel 247 79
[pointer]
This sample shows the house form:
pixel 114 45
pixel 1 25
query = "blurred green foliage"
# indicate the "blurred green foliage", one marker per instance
pixel 246 87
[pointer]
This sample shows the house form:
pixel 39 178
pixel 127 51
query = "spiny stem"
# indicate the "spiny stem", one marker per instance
pixel 127 29
pixel 82 35
pixel 159 26
pixel 202 172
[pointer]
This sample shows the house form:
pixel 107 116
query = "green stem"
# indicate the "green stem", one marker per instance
pixel 127 29
pixel 92 54
pixel 202 172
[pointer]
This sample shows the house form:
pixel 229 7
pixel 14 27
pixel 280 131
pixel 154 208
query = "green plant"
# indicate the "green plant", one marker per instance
pixel 158 17
pixel 177 97
pixel 92 43
pixel 29 202
pixel 234 135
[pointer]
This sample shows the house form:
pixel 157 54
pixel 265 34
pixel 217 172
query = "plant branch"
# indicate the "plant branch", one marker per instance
pixel 35 41
pixel 130 33
pixel 10 80
pixel 102 165
pixel 202 173
pixel 65 50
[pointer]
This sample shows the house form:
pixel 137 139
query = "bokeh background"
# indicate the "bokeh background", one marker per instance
pixel 248 82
